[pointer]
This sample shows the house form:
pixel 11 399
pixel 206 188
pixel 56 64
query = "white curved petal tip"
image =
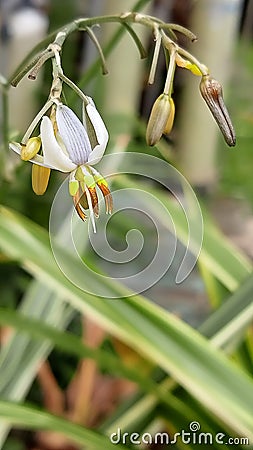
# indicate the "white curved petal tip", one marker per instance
pixel 37 159
pixel 102 134
pixel 15 147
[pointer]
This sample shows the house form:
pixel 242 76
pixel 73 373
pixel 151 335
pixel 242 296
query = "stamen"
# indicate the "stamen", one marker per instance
pixel 107 196
pixel 76 200
pixel 90 208
pixel 94 200
pixel 84 201
pixel 89 182
pixel 103 186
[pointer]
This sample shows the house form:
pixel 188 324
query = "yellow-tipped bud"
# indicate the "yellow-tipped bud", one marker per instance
pixel 40 178
pixel 158 119
pixel 31 149
pixel 170 120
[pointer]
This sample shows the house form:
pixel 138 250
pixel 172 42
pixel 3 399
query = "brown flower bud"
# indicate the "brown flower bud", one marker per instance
pixel 211 91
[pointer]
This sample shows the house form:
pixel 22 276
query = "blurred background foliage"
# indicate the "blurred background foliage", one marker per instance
pixel 130 365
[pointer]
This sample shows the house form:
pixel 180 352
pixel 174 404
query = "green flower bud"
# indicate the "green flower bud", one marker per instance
pixel 158 119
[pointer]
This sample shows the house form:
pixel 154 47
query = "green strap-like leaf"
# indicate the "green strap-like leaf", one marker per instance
pixel 164 339
pixel 29 417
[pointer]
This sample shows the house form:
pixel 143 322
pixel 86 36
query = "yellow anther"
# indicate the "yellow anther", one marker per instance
pixel 73 187
pixel 31 149
pixel 40 179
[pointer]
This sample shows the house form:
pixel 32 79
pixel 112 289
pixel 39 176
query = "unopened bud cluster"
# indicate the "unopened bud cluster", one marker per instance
pixel 163 111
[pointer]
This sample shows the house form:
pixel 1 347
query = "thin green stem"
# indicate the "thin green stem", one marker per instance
pixel 34 72
pixel 40 58
pixel 36 52
pixel 17 77
pixel 180 29
pixel 35 121
pixel 142 51
pixel 99 49
pixel 74 87
pixel 170 74
pixel 93 69
pixel 158 40
pixel 59 37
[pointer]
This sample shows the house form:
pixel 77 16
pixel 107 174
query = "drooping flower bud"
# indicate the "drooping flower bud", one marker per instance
pixel 40 178
pixel 31 149
pixel 158 119
pixel 211 91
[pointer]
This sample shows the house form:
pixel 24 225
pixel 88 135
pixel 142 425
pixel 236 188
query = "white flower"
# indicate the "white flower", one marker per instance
pixel 70 146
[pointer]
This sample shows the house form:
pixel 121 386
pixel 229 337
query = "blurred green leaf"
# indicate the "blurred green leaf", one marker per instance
pixel 71 344
pixel 217 254
pixel 29 417
pixel 233 317
pixel 157 335
pixel 20 357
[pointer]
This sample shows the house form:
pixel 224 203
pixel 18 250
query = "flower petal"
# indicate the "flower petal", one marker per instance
pixel 101 134
pixel 54 156
pixel 73 134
